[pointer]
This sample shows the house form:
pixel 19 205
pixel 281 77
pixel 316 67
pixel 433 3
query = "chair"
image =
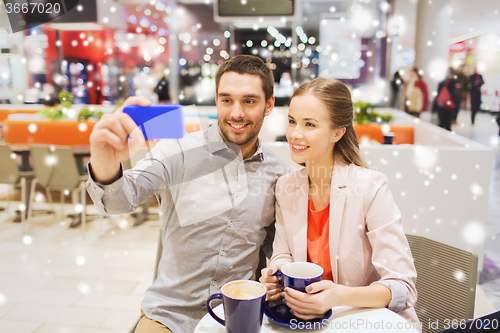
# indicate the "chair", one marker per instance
pixel 10 174
pixel 159 250
pixel 446 282
pixel 55 168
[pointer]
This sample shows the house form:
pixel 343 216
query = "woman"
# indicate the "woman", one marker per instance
pixel 396 92
pixel 447 114
pixel 416 94
pixel 337 213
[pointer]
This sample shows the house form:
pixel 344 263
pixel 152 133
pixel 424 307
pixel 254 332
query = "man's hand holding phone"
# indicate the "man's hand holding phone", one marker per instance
pixel 110 143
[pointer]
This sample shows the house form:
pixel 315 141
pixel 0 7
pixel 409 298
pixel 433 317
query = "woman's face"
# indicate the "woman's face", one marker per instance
pixel 309 133
pixel 413 75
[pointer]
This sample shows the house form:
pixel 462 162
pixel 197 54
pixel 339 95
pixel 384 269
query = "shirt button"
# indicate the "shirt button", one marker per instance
pixel 111 190
pixel 237 195
pixel 222 253
pixel 231 223
pixel 214 282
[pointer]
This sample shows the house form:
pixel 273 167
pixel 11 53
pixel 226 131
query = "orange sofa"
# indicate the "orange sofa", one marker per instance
pixel 402 134
pixel 4 113
pixel 55 132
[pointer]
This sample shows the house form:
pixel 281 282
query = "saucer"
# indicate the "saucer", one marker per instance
pixel 279 313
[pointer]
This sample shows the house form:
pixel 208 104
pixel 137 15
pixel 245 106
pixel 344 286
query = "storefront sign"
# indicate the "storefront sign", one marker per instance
pixel 457 48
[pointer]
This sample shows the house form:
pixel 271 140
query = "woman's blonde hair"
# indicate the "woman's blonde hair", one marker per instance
pixel 337 99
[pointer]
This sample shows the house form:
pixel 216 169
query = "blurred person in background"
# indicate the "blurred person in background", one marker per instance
pixel 416 94
pixel 476 81
pixel 51 101
pixel 446 103
pixel 397 85
pixel 498 122
pixel 162 90
pixel 462 85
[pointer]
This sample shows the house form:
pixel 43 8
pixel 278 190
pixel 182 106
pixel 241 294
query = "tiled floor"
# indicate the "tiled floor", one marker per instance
pixel 56 281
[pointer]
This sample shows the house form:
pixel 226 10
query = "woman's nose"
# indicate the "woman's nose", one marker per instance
pixel 297 133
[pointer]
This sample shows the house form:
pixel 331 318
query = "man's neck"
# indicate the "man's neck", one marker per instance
pixel 248 149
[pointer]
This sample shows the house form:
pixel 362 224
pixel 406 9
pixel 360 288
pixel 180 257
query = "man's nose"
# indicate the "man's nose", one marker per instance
pixel 237 111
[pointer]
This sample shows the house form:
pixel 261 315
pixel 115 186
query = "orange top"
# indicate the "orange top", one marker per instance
pixel 318 239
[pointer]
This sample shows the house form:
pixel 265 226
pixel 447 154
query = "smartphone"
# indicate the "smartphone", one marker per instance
pixel 159 121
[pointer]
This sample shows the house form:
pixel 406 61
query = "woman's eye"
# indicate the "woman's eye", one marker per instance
pixel 310 125
pixel 291 122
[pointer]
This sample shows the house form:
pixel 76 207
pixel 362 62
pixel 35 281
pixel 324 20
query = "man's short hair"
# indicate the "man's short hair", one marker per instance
pixel 248 64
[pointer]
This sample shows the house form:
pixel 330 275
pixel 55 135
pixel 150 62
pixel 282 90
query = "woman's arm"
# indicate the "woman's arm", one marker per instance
pixel 391 255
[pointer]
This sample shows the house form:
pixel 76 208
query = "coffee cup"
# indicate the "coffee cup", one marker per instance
pixel 298 275
pixel 388 138
pixel 243 303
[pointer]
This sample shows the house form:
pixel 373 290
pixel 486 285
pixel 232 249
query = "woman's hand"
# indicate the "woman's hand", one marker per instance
pixel 319 298
pixel 271 282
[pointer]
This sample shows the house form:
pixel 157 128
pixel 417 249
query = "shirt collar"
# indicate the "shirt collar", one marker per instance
pixel 216 143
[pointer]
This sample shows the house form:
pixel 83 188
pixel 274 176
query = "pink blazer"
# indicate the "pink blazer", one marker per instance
pixel 367 242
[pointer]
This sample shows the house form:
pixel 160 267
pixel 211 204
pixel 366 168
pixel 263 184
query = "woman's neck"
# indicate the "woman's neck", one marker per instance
pixel 320 177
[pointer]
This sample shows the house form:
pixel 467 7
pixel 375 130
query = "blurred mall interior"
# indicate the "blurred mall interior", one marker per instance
pixel 54 278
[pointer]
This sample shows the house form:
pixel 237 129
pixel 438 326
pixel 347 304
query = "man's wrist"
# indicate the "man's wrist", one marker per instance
pixel 104 178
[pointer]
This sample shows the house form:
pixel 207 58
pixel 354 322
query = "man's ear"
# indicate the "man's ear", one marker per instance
pixel 269 106
pixel 216 100
pixel 338 134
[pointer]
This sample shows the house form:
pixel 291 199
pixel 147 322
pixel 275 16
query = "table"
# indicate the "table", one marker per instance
pixel 343 319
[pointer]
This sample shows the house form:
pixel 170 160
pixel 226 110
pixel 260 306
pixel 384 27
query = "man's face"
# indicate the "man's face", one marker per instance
pixel 241 107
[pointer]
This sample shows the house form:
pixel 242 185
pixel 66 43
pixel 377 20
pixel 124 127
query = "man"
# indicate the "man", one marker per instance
pixel 476 81
pixel 162 90
pixel 216 189
pixel 462 89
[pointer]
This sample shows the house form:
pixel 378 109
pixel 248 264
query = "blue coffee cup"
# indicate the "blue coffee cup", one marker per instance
pixel 298 275
pixel 243 302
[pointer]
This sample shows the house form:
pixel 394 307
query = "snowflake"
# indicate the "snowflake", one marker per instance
pixel 84 288
pixel 473 233
pixel 80 260
pixel 27 240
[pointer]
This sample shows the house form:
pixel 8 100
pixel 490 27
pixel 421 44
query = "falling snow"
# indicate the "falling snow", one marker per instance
pixel 80 260
pixel 473 233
